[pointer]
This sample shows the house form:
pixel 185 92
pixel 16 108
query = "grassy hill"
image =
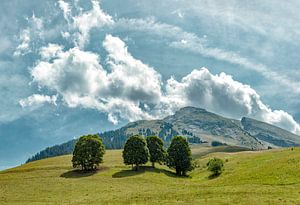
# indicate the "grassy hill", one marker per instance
pixel 262 177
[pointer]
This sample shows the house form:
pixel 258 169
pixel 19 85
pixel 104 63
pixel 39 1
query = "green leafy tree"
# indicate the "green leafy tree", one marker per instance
pixel 216 166
pixel 179 156
pixel 156 150
pixel 135 151
pixel 88 152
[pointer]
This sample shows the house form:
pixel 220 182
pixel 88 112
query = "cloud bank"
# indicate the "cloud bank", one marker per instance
pixel 124 87
pixel 81 80
pixel 132 90
pixel 223 95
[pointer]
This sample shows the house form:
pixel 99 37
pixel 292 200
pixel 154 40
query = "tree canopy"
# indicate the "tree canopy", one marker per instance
pixel 88 152
pixel 179 156
pixel 135 151
pixel 215 165
pixel 156 149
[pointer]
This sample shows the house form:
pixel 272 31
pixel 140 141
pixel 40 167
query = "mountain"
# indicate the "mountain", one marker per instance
pixel 199 126
pixel 269 134
pixel 211 127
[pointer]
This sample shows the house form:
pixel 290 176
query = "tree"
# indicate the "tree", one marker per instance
pixel 179 156
pixel 156 149
pixel 217 143
pixel 88 152
pixel 215 165
pixel 135 151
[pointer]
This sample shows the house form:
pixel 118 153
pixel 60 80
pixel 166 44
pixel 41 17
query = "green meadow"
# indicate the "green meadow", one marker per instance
pixel 261 177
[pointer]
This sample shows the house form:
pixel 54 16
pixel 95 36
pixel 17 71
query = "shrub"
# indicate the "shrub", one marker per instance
pixel 179 156
pixel 156 149
pixel 135 151
pixel 217 143
pixel 88 152
pixel 216 166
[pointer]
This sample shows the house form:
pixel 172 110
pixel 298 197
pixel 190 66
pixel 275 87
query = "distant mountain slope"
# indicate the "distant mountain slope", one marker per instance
pixel 199 126
pixel 211 127
pixel 56 150
pixel 267 133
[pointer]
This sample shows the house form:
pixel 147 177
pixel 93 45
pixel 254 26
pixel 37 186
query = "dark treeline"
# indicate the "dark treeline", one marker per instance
pixel 115 140
pixel 57 150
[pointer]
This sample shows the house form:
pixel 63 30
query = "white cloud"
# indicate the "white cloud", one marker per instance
pixel 139 81
pixel 85 21
pixel 133 90
pixel 251 17
pixel 65 7
pixel 75 74
pixel 151 26
pixel 223 95
pixel 50 51
pixel 82 82
pixel 95 18
pixel 33 32
pixel 234 58
pixel 38 100
pixel 24 46
pixel 188 41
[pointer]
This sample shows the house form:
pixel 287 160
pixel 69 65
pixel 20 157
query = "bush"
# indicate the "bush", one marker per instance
pixel 216 166
pixel 156 150
pixel 88 152
pixel 135 151
pixel 179 156
pixel 217 143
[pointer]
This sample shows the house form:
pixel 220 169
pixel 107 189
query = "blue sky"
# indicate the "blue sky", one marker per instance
pixel 74 67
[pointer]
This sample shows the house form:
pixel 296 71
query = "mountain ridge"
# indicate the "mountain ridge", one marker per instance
pixel 199 126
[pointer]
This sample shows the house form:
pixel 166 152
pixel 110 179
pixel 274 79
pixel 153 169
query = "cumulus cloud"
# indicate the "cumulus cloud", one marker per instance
pixel 132 90
pixel 223 95
pixel 188 41
pixel 198 47
pixel 81 80
pixel 38 100
pixel 50 51
pixel 139 81
pixel 75 74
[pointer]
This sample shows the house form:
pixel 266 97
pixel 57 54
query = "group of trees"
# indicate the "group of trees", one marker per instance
pixel 178 156
pixel 138 151
pixel 89 150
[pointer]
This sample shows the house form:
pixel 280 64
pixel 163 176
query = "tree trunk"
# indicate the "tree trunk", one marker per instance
pixel 137 167
pixel 153 164
pixel 177 172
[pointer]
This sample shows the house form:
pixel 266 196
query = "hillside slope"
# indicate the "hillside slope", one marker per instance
pixel 269 134
pixel 263 177
pixel 199 126
pixel 212 127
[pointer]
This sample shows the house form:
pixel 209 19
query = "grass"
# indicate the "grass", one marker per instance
pixel 264 177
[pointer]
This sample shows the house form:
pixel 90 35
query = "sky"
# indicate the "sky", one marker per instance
pixel 73 67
